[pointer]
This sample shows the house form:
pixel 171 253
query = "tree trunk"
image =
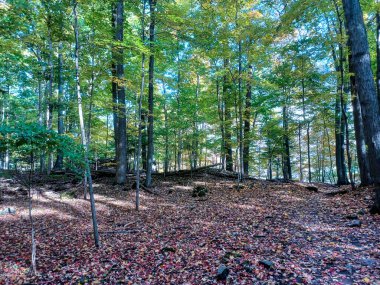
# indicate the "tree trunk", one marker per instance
pixel 378 52
pixel 152 9
pixel 366 89
pixel 247 121
pixel 180 143
pixel 137 202
pixel 121 147
pixel 61 112
pixel 287 171
pixel 361 151
pixel 82 128
pixel 49 110
pixel 227 119
pixel 166 161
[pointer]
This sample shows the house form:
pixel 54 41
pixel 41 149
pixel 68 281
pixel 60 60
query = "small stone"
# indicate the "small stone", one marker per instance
pixel 368 262
pixel 248 267
pixel 361 212
pixel 355 224
pixel 267 264
pixel 168 249
pixel 352 217
pixel 6 211
pixel 223 272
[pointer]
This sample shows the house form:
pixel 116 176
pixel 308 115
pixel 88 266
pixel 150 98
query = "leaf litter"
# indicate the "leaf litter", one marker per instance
pixel 262 233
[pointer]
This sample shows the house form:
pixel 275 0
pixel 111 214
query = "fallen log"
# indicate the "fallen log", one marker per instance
pixel 227 174
pixel 334 193
pixel 310 187
pixel 188 172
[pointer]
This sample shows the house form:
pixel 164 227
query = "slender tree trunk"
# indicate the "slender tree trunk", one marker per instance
pixel 152 9
pixel 49 111
pixel 366 89
pixel 287 171
pixel 179 135
pixel 139 110
pixel 300 151
pixel 121 130
pixel 143 140
pixel 166 162
pixel 82 127
pixel 61 113
pixel 307 123
pixel 40 104
pixel 247 121
pixel 222 124
pixel 194 151
pixel 92 83
pixel 227 119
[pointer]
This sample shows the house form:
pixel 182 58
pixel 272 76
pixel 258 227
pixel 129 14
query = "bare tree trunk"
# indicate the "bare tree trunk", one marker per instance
pixel 194 151
pixel 361 150
pixel 49 111
pixel 300 151
pixel 378 51
pixel 247 121
pixel 121 163
pixel 82 127
pixel 287 171
pixel 227 118
pixel 222 125
pixel 139 110
pixel 61 114
pixel 365 86
pixel 180 143
pixel 166 162
pixel 152 9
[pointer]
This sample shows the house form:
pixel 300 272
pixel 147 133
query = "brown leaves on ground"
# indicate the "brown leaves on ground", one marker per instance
pixel 264 233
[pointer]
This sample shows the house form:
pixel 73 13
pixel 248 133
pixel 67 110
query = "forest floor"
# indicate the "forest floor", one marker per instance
pixel 264 233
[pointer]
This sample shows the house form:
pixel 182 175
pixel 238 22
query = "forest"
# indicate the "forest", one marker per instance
pixel 190 142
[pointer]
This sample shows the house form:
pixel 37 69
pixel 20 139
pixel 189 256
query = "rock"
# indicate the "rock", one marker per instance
pixel 7 211
pixel 22 191
pixel 248 267
pixel 312 188
pixel 354 224
pixel 168 249
pixel 267 264
pixel 352 217
pixel 368 262
pixel 199 191
pixel 222 272
pixel 361 212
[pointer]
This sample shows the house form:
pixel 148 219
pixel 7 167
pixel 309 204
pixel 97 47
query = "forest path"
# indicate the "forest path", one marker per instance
pixel 265 233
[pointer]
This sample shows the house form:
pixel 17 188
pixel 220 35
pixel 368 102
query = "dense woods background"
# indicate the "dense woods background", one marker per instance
pixel 266 88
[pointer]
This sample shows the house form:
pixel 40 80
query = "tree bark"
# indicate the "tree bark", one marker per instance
pixel 227 118
pixel 365 86
pixel 361 151
pixel 287 170
pixel 247 121
pixel 152 25
pixel 121 146
pixel 82 127
pixel 61 113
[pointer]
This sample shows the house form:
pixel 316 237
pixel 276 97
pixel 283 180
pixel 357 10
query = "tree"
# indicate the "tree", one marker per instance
pixel 366 90
pixel 150 155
